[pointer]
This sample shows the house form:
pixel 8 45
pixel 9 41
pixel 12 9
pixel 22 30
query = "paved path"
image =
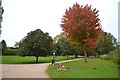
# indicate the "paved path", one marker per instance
pixel 26 70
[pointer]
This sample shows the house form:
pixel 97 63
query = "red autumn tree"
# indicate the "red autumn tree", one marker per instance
pixel 81 26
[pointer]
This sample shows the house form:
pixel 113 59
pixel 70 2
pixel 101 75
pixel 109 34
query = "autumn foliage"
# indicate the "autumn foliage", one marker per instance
pixel 81 26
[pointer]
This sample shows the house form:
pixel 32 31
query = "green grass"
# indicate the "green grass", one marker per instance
pixel 29 60
pixel 80 69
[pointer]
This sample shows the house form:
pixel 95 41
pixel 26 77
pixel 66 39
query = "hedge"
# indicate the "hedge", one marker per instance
pixel 10 52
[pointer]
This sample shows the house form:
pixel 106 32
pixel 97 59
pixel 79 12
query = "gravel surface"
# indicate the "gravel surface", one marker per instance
pixel 26 70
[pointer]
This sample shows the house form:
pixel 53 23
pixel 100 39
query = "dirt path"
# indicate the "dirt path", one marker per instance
pixel 26 70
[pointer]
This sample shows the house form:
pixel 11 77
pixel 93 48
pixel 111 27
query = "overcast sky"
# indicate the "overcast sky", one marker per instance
pixel 23 16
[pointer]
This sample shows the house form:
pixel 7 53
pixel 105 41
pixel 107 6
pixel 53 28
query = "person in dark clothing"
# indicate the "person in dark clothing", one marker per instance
pixel 53 62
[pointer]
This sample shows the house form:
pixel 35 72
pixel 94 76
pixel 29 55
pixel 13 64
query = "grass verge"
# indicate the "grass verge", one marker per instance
pixel 29 60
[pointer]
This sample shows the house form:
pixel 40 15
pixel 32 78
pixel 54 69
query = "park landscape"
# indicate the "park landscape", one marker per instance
pixel 84 49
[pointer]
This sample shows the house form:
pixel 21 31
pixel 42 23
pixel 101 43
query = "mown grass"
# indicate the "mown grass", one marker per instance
pixel 94 68
pixel 29 60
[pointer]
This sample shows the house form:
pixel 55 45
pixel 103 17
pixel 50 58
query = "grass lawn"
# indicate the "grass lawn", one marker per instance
pixel 29 60
pixel 94 68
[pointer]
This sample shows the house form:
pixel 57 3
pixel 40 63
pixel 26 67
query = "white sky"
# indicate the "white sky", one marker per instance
pixel 23 16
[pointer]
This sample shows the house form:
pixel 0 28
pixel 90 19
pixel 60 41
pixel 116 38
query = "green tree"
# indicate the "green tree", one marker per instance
pixel 36 43
pixel 81 26
pixel 66 48
pixel 16 45
pixel 4 46
pixel 106 44
pixel 57 45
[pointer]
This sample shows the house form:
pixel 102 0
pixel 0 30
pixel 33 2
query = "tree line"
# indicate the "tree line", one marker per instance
pixel 37 43
pixel 82 34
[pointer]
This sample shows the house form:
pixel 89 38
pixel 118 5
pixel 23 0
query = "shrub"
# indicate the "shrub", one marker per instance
pixel 105 57
pixel 10 52
pixel 115 56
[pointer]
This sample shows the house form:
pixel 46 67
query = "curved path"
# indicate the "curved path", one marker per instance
pixel 26 70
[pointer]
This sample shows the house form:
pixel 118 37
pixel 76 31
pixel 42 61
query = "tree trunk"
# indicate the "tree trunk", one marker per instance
pixel 76 55
pixel 85 56
pixel 36 59
pixel 67 57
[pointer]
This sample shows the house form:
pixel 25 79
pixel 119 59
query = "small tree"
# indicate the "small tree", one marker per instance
pixel 81 26
pixel 36 43
pixel 4 46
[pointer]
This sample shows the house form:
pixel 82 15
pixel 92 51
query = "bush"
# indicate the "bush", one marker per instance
pixel 10 52
pixel 113 56
pixel 105 57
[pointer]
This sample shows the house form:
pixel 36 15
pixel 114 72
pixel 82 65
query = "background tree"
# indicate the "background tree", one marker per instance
pixel 36 43
pixel 57 45
pixel 106 44
pixel 16 45
pixel 81 26
pixel 66 48
pixel 1 12
pixel 4 46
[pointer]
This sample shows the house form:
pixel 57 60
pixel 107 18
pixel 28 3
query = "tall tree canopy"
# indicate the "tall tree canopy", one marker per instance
pixel 36 43
pixel 81 26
